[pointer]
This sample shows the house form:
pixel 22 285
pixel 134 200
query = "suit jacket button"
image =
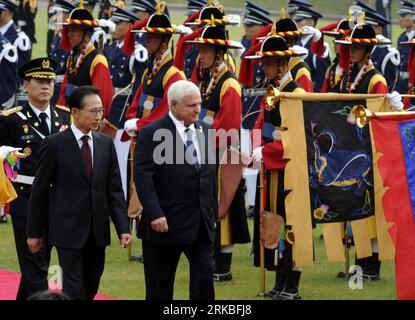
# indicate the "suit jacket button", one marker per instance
pixel 21 188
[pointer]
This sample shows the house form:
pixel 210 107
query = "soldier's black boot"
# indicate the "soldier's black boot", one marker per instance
pixel 371 270
pixel 223 267
pixel 280 280
pixel 290 291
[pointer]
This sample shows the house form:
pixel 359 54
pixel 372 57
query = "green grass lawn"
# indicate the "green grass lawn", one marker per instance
pixel 125 280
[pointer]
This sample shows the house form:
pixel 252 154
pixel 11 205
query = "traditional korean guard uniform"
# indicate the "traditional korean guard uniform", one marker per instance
pixel 269 122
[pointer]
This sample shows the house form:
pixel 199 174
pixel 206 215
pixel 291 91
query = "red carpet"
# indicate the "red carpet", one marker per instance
pixel 9 284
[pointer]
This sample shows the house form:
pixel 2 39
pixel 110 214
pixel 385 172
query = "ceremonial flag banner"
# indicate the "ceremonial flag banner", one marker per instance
pixel 394 140
pixel 330 174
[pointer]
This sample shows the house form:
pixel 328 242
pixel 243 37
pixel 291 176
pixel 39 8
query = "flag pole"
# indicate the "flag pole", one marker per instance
pixel 261 241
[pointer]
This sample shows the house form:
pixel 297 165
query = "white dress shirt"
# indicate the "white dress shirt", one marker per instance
pixel 6 27
pixel 48 115
pixel 181 128
pixel 78 136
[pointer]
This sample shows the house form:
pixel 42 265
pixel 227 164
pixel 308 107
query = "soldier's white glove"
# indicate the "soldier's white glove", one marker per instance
pixel 140 53
pixel 233 19
pixel 257 154
pixel 108 24
pixel 303 52
pixel 5 150
pixel 239 52
pixel 395 101
pixel 314 31
pixel 130 126
pixel 184 29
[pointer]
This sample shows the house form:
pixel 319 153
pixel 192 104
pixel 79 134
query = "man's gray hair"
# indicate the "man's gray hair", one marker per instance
pixel 181 89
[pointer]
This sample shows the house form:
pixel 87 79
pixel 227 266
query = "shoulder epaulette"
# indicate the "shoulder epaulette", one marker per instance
pixel 63 108
pixel 9 112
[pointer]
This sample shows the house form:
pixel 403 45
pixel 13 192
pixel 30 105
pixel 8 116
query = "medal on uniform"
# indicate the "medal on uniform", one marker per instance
pixel 27 151
pixel 25 128
pixel 148 105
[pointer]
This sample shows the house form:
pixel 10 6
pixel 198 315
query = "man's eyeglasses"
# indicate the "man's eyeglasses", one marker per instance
pixel 95 112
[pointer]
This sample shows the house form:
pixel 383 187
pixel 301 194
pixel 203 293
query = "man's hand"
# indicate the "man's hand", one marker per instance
pixel 160 225
pixel 257 155
pixel 125 240
pixel 5 150
pixel 34 244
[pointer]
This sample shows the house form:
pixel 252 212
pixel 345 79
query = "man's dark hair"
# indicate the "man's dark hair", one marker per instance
pixel 77 96
pixel 48 295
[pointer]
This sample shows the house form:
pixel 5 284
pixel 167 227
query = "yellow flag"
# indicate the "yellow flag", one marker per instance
pixel 7 192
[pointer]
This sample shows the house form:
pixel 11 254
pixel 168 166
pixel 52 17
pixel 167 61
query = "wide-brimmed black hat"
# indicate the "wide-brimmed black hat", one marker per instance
pixel 41 68
pixel 274 47
pixel 342 29
pixel 205 17
pixel 215 36
pixel 81 17
pixel 158 23
pixel 363 35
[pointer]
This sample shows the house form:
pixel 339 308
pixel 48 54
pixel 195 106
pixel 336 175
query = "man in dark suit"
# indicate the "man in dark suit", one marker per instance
pixel 179 196
pixel 76 188
pixel 26 129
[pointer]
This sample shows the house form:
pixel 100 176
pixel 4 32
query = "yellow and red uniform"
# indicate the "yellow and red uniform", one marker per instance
pixel 93 71
pixel 150 101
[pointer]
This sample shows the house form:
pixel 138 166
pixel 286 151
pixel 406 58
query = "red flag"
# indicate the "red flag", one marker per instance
pixel 393 138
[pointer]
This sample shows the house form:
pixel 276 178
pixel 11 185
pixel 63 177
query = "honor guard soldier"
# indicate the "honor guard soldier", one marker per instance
pixel 300 71
pixel 61 10
pixel 191 54
pixel 363 78
pixel 255 19
pixel 121 68
pixel 85 66
pixel 341 62
pixel 406 12
pixel 26 18
pixel 8 66
pixel 150 100
pixel 143 9
pixel 306 19
pixel 16 37
pixel 221 20
pixel 26 128
pixel 385 59
pixel 99 37
pixel 222 108
pixel 275 56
